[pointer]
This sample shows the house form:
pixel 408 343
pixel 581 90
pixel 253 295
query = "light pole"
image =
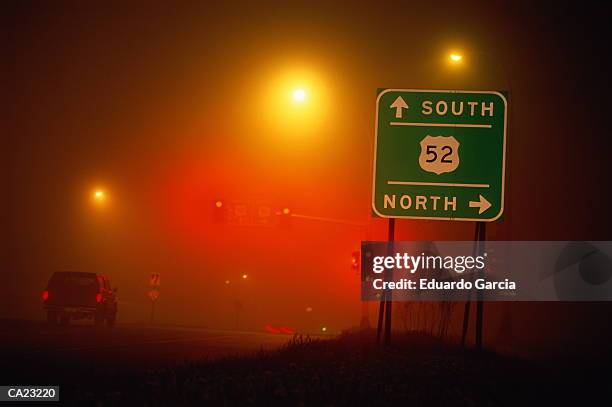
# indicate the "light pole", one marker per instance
pixel 456 59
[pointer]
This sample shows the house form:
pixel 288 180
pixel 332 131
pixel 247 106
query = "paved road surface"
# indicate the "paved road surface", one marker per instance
pixel 34 345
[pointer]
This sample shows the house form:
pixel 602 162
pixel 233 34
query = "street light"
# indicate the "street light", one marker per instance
pixel 219 212
pixel 455 57
pixel 295 102
pixel 99 197
pixel 490 61
pixel 299 95
pixel 284 218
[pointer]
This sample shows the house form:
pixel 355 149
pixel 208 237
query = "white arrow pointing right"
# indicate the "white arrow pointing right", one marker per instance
pixel 482 204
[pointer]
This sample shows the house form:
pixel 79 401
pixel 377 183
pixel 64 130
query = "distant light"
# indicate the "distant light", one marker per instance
pixel 355 259
pixel 286 211
pixel 218 204
pixel 456 57
pixel 308 309
pixel 244 276
pixel 99 197
pixel 227 281
pixel 323 329
pixel 45 295
pixel 299 95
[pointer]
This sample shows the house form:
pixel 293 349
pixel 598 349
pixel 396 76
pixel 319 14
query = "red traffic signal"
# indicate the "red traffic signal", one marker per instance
pixel 355 260
pixel 219 212
pixel 284 218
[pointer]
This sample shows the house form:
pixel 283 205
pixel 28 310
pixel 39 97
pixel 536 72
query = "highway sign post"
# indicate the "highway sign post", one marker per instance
pixel 153 294
pixel 154 282
pixel 440 154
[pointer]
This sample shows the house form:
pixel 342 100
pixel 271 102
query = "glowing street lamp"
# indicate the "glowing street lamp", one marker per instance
pixel 456 60
pixel 295 102
pixel 299 95
pixel 99 197
pixel 455 57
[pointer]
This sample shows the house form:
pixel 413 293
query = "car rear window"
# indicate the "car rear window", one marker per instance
pixel 79 280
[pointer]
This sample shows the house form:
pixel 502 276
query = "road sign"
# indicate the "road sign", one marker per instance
pixel 154 280
pixel 250 213
pixel 440 154
pixel 246 213
pixel 153 294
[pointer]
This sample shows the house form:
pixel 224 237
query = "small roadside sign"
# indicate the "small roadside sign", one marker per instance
pixel 153 294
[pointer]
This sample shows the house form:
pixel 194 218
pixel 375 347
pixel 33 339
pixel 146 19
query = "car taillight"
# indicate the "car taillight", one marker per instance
pixel 99 297
pixel 45 295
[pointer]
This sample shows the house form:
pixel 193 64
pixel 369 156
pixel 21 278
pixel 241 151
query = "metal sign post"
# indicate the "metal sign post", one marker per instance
pixel 479 239
pixel 153 293
pixel 479 303
pixel 386 303
pixel 388 293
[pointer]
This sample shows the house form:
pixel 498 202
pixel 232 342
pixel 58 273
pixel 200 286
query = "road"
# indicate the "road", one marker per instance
pixel 31 347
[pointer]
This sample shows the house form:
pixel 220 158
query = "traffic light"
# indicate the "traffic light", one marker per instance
pixel 284 218
pixel 355 258
pixel 219 211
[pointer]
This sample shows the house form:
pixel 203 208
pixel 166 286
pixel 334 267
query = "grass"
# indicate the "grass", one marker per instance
pixel 349 370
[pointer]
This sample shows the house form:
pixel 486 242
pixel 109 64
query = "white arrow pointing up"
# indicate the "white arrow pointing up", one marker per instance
pixel 398 105
pixel 482 204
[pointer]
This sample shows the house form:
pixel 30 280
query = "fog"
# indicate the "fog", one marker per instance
pixel 170 109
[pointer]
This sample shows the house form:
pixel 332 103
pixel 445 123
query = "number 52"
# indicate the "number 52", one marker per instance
pixel 432 151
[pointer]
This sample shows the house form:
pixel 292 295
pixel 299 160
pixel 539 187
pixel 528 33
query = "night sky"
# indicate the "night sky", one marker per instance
pixel 170 108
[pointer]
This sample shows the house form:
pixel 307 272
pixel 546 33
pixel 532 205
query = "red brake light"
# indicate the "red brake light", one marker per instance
pixel 45 295
pixel 355 260
pixel 99 297
pixel 269 328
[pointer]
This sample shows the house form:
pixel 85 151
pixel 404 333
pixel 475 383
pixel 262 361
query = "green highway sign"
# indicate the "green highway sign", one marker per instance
pixel 440 154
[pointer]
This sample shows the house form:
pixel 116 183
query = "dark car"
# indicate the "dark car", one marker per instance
pixel 77 295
